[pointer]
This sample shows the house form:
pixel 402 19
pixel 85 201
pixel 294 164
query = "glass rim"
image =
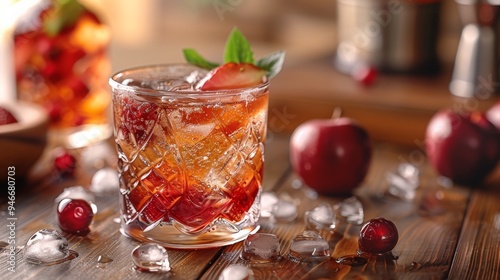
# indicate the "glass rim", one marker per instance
pixel 116 84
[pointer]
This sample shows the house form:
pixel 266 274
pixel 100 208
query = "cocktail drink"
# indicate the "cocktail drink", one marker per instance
pixel 190 160
pixel 190 140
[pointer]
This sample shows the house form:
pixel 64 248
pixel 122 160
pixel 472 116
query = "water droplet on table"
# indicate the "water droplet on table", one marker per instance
pixel 47 246
pixel 105 180
pixel 151 257
pixel 236 272
pixel 309 246
pixel 102 261
pixel 351 210
pixel 320 217
pixel 352 260
pixel 261 248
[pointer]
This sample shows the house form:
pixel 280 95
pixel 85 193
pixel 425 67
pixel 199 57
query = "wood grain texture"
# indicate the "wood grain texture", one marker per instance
pixel 478 251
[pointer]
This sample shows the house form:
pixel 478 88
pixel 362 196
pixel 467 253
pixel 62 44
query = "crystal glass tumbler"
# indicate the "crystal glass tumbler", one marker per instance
pixel 190 161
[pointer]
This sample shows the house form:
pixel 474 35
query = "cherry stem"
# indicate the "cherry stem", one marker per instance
pixel 337 113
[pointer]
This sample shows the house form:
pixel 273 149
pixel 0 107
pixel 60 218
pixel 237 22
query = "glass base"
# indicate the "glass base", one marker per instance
pixel 169 236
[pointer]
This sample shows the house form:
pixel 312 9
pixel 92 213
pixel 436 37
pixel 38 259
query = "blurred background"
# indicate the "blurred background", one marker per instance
pixel 388 64
pixel 153 31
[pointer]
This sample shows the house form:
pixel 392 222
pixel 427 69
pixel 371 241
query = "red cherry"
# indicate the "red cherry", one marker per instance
pixel 74 216
pixel 378 236
pixel 65 163
pixel 364 74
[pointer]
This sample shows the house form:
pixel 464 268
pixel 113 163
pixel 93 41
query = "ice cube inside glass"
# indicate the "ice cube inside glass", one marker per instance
pixel 190 162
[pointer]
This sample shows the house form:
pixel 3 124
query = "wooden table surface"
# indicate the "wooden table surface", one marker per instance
pixel 445 232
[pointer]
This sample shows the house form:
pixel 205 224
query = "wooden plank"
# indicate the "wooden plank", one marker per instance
pixel 478 250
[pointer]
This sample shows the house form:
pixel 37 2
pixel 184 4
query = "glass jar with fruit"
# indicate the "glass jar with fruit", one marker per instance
pixel 61 63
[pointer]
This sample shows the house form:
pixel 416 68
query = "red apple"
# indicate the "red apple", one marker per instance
pixel 493 115
pixel 464 147
pixel 331 156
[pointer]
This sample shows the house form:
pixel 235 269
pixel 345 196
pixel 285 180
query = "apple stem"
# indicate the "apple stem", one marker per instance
pixel 337 113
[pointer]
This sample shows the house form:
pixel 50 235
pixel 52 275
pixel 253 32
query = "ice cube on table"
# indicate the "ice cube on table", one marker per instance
pixel 236 272
pixel 261 248
pixel 351 210
pixel 321 217
pixel 46 246
pixel 285 209
pixel 105 180
pixel 77 192
pixel 151 257
pixel 309 246
pixel 268 201
pixel 403 182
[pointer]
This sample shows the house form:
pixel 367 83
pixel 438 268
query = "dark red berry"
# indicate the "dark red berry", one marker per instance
pixel 364 74
pixel 6 116
pixel 74 216
pixel 378 236
pixel 65 164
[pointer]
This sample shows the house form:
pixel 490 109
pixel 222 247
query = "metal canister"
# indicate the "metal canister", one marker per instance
pixel 390 35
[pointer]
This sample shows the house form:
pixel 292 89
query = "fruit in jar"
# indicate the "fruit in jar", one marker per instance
pixel 331 156
pixel 378 236
pixel 61 62
pixel 464 147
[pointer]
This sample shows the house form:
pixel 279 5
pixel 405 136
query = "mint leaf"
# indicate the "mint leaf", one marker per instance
pixel 272 63
pixel 65 14
pixel 237 48
pixel 193 57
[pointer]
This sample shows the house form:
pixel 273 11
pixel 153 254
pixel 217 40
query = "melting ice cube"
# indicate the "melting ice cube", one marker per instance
pixel 236 272
pixel 268 201
pixel 403 182
pixel 320 217
pixel 46 246
pixel 285 209
pixel 309 246
pixel 77 192
pixel 261 248
pixel 151 257
pixel 105 180
pixel 351 210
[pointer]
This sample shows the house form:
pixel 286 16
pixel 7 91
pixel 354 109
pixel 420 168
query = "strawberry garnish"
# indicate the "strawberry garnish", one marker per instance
pixel 6 116
pixel 239 69
pixel 233 75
